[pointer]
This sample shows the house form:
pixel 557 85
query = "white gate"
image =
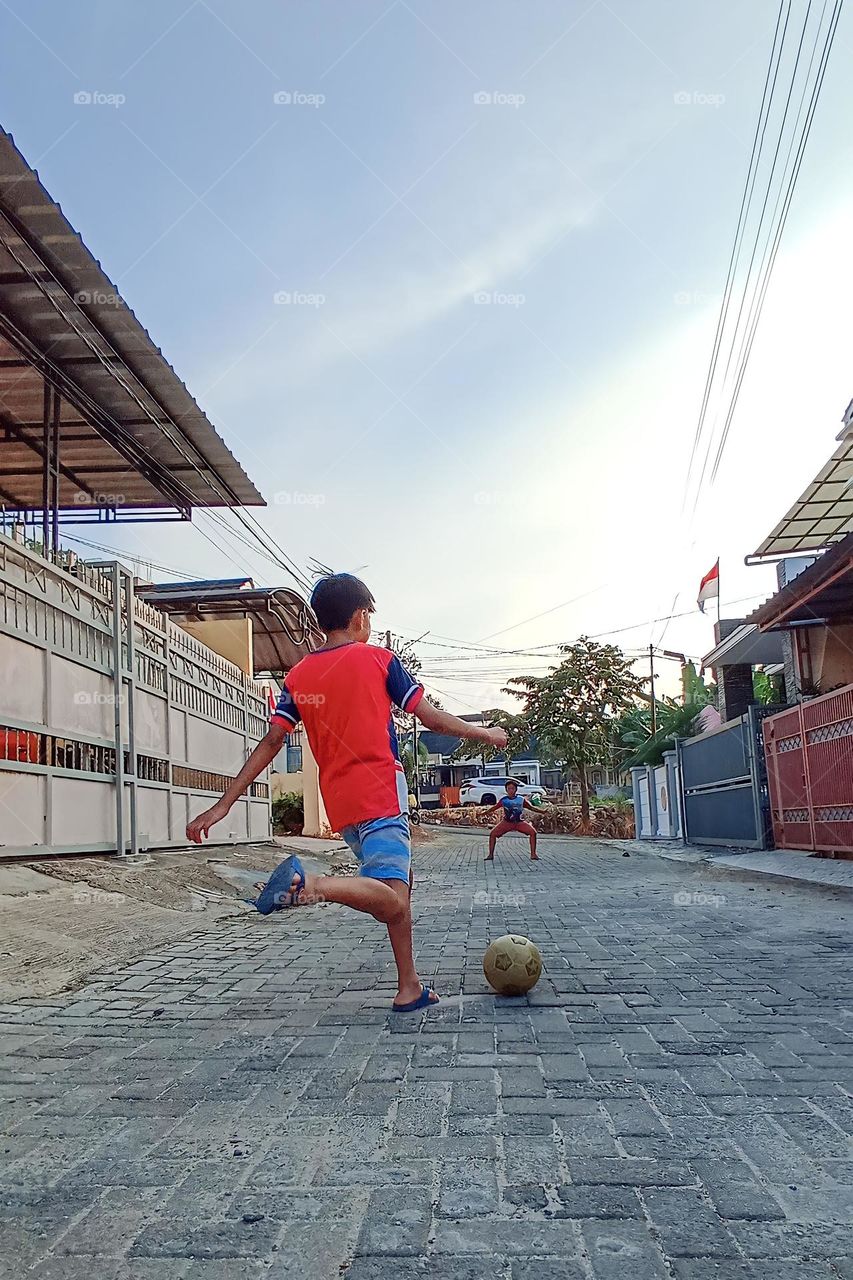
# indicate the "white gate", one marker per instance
pixel 657 800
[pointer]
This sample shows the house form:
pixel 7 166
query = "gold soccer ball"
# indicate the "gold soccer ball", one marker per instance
pixel 512 965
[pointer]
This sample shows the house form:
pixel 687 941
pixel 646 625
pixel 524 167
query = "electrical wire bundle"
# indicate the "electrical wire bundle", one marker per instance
pixel 792 87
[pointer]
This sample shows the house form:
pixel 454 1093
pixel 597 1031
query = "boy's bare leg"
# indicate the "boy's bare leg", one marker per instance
pixel 374 897
pixel 409 985
pixel 386 900
pixel 492 842
pixel 534 855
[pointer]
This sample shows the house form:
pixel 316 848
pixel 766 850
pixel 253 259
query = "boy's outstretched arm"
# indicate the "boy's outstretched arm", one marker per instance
pixel 263 754
pixel 443 722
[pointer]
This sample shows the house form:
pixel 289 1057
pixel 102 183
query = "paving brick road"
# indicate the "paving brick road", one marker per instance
pixel 674 1098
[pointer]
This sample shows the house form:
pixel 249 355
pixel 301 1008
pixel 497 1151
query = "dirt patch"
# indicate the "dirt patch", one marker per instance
pixel 175 880
pixel 63 918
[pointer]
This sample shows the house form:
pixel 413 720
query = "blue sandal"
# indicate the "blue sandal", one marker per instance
pixel 422 1002
pixel 276 894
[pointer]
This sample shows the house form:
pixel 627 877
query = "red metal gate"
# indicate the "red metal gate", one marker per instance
pixel 809 751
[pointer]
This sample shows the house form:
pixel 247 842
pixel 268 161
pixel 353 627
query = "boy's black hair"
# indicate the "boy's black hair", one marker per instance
pixel 336 598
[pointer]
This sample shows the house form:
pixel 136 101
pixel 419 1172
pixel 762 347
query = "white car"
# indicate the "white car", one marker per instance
pixel 490 790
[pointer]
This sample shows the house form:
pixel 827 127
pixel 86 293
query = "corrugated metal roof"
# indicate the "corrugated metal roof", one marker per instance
pixel 129 429
pixel 823 591
pixel 284 628
pixel 199 584
pixel 824 512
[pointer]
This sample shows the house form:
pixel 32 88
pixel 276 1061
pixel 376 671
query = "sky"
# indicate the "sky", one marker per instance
pixel 446 279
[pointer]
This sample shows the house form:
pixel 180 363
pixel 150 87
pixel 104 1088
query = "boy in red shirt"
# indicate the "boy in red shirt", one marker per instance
pixel 342 694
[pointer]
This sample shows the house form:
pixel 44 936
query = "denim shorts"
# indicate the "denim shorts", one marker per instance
pixel 382 847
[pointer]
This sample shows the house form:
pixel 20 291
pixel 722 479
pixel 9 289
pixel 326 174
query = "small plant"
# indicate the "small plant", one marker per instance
pixel 288 814
pixel 620 804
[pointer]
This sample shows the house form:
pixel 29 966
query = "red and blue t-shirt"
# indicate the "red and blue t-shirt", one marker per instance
pixel 343 697
pixel 513 807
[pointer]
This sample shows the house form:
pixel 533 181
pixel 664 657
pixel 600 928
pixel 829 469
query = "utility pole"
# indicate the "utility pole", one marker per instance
pixel 416 762
pixel 652 686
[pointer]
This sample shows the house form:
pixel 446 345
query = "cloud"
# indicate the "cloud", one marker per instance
pixel 413 295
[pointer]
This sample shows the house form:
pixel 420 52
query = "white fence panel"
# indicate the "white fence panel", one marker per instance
pixel 195 716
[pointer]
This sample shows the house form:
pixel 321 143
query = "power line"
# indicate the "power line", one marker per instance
pixel 555 646
pixel 776 153
pixel 601 587
pixel 768 231
pixel 757 304
pixel 100 546
pixel 757 145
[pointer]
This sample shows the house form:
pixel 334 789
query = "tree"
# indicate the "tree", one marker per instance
pixel 694 688
pixel 572 709
pixel 405 651
pixel 633 732
pixel 407 758
pixel 518 738
pixel 404 720
pixel 767 689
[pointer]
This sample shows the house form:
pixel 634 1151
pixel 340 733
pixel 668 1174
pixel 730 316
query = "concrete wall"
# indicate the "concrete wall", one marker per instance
pixel 316 818
pixel 281 783
pixel 231 638
pixel 831 650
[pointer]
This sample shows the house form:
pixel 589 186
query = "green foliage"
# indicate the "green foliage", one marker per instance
pixel 674 719
pixel 518 735
pixel 694 689
pixel 767 689
pixel 620 803
pixel 407 758
pixel 288 813
pixel 571 709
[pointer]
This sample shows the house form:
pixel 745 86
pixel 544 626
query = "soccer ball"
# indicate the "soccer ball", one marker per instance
pixel 512 965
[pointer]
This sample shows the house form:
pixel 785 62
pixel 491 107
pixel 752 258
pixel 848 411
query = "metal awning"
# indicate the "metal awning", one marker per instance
pixel 746 645
pixel 284 628
pixel 92 415
pixel 821 593
pixel 824 513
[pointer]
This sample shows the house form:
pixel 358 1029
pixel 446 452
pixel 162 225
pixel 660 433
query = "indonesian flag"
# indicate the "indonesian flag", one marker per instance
pixel 709 587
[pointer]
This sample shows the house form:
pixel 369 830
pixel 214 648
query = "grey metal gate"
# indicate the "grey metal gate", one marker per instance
pixel 724 784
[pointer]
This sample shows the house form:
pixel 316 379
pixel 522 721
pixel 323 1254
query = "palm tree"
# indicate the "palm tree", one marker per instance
pixel 674 719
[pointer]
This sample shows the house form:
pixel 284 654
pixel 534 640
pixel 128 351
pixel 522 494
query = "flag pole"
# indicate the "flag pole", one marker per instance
pixel 719 594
